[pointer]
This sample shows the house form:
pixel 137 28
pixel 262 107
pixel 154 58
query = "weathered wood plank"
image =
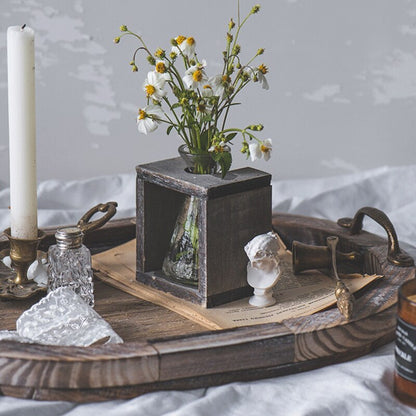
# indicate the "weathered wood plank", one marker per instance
pixel 41 366
pixel 224 351
pixel 229 226
pixel 171 174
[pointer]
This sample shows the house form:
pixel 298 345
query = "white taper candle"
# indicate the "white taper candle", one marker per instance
pixel 22 131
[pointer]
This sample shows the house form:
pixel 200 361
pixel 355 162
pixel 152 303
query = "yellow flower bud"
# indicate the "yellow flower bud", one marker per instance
pixel 231 24
pixel 255 8
pixel 236 49
pixel 116 40
pixel 260 51
pixel 123 28
pixel 178 40
pixel 160 67
pixel 134 68
pixel 160 53
pixel 225 79
pixel 151 60
pixel 263 69
pixel 201 107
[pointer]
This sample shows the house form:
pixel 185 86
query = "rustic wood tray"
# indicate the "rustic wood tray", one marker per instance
pixel 163 350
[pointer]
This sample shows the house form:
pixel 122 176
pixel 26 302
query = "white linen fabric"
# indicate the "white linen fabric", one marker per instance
pixel 359 387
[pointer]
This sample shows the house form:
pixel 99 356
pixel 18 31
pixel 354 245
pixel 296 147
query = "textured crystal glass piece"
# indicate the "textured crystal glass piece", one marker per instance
pixel 71 267
pixel 63 318
pixel 181 261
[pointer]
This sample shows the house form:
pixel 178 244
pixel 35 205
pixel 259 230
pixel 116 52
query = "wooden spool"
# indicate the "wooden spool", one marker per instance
pixel 163 350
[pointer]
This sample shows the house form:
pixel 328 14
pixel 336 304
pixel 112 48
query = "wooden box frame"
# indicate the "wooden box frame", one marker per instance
pixel 232 211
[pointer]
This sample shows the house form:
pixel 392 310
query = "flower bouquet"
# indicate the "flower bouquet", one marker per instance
pixel 198 106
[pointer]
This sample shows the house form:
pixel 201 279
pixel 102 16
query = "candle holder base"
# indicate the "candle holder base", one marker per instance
pixel 14 283
pixel 11 290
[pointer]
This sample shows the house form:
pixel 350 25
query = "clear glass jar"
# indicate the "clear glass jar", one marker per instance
pixel 70 264
pixel 199 162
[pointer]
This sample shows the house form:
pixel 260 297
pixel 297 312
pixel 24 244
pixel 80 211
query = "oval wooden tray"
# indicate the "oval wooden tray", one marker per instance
pixel 163 350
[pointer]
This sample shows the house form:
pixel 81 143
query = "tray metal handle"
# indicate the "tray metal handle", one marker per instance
pixel 394 253
pixel 110 208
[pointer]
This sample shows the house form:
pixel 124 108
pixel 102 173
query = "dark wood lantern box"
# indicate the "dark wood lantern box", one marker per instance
pixel 232 211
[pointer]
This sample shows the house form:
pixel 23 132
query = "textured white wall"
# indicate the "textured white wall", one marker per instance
pixel 342 80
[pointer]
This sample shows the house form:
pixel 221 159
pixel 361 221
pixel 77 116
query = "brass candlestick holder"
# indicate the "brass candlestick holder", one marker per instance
pixel 14 283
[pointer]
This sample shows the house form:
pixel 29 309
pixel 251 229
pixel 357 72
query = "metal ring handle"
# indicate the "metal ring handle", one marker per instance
pixel 110 208
pixel 394 254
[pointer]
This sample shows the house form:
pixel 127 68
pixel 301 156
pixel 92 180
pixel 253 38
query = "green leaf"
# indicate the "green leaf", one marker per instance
pixel 204 140
pixel 230 136
pixel 224 159
pixel 169 129
pixel 207 118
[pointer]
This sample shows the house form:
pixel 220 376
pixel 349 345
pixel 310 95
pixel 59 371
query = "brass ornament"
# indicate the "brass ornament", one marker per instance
pixel 345 299
pixel 23 252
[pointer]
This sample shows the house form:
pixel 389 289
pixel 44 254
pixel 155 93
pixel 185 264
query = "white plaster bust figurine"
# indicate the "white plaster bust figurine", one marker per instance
pixel 263 268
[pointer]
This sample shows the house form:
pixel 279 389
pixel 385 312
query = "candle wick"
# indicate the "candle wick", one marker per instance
pixel 23 27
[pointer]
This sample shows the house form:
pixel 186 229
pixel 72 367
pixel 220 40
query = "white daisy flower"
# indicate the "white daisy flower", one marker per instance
pixel 188 47
pixel 219 82
pixel 261 71
pixel 153 85
pixel 160 67
pixel 195 76
pixel 266 149
pixel 217 148
pixel 257 150
pixel 149 118
pixel 207 91
pixel 179 40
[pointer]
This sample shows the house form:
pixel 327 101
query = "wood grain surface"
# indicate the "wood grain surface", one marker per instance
pixel 165 351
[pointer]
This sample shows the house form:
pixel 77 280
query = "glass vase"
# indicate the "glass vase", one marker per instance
pixel 181 261
pixel 199 162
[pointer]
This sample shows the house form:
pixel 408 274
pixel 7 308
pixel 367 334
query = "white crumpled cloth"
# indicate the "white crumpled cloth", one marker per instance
pixel 359 387
pixel 62 318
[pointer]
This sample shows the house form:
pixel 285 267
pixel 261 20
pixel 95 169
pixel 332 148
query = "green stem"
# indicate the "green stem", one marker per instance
pixel 177 127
